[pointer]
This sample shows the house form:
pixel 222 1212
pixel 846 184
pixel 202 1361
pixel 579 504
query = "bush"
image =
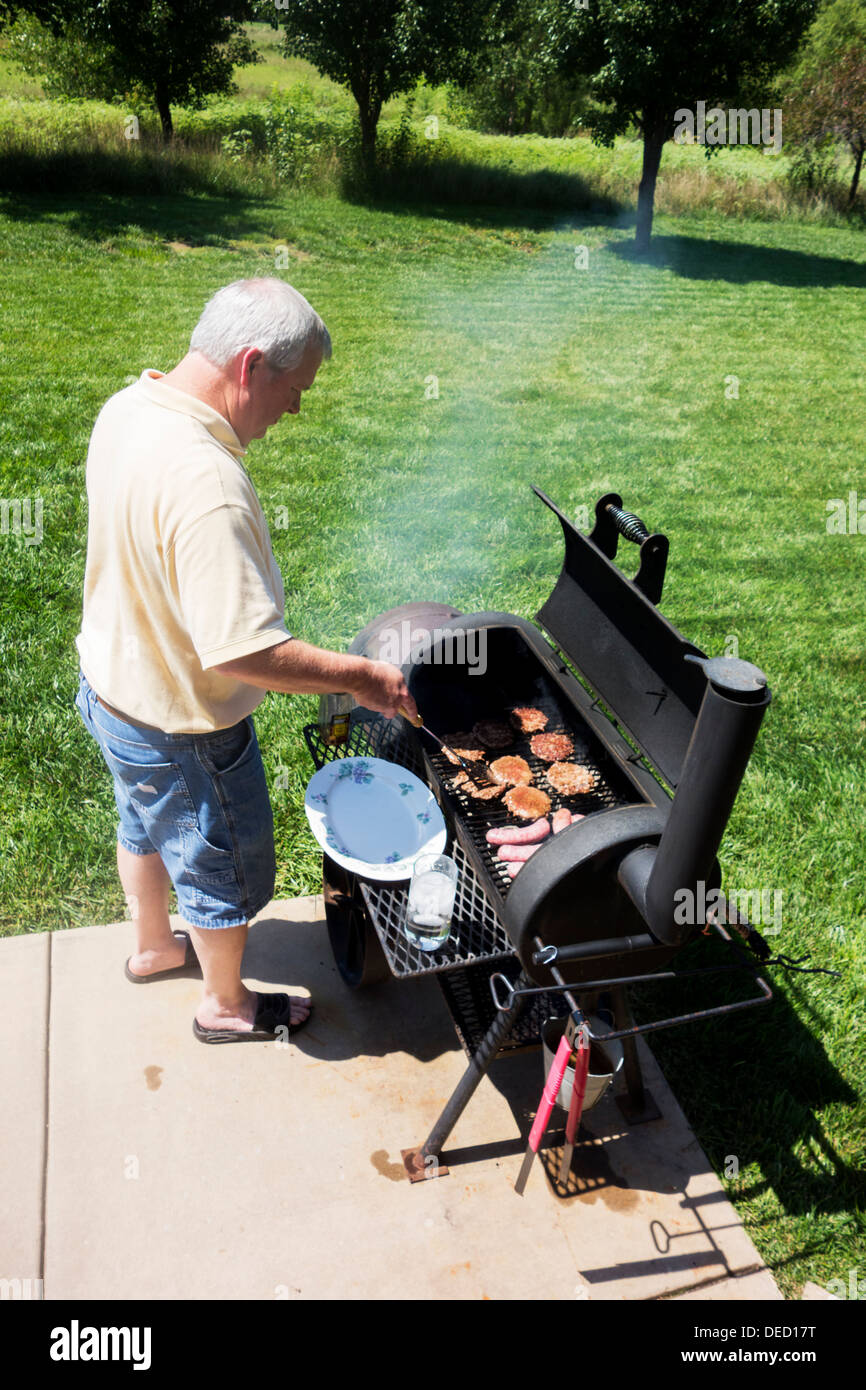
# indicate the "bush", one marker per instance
pixel 813 169
pixel 300 140
pixel 237 145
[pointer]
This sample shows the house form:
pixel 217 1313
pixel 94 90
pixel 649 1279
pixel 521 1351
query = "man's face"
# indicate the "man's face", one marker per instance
pixel 274 394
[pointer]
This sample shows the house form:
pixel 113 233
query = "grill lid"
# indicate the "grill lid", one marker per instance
pixel 616 638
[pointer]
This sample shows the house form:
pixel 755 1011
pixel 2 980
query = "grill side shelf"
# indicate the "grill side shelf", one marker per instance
pixel 478 934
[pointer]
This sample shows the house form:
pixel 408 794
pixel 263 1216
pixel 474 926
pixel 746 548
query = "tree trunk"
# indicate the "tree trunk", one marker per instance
pixel 163 106
pixel 369 111
pixel 654 134
pixel 858 160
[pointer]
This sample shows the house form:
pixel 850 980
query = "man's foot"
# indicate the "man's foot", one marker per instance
pixel 151 962
pixel 239 1017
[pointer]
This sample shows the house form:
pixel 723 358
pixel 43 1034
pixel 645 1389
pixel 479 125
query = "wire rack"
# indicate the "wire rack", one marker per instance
pixel 477 933
pixel 479 944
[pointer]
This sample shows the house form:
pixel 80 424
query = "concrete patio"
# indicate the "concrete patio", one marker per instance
pixel 147 1166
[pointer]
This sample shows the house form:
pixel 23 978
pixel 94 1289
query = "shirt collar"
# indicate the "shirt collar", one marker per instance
pixel 151 382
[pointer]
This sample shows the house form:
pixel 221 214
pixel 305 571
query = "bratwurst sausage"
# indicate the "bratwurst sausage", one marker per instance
pixel 516 854
pixel 519 834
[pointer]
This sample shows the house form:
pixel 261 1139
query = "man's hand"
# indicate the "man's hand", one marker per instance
pixel 384 689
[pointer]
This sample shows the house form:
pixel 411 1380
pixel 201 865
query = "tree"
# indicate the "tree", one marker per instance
pixel 826 94
pixel 66 62
pixel 516 89
pixel 648 59
pixel 171 52
pixel 379 48
pixel 46 11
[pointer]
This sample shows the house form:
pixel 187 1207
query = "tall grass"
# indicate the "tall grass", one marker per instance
pixel 295 137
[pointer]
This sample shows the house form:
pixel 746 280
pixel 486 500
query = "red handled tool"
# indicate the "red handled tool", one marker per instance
pixel 578 1092
pixel 548 1100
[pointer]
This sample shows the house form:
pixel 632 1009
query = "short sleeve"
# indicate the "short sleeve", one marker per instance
pixel 227 586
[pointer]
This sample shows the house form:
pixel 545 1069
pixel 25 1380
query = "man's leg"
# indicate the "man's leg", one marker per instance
pixel 146 885
pixel 226 1002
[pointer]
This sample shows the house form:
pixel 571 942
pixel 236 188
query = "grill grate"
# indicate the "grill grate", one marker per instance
pixel 478 817
pixel 476 933
pixel 369 737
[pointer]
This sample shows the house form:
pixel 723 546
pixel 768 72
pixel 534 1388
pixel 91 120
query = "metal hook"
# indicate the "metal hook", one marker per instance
pixel 493 990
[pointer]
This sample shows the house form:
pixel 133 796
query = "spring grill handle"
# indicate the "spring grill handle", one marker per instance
pixel 613 521
pixel 628 525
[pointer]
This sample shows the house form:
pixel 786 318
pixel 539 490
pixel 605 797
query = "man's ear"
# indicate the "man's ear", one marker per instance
pixel 249 361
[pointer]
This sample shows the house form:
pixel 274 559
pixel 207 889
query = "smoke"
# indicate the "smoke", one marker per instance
pixel 493 351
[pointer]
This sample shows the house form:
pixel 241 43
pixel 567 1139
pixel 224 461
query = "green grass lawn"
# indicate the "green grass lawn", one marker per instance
pixel 716 385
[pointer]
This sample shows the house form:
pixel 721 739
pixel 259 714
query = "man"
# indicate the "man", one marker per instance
pixel 183 633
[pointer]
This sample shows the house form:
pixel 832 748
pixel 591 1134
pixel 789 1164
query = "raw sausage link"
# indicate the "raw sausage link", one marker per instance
pixel 561 819
pixel 514 867
pixel 519 834
pixel 516 854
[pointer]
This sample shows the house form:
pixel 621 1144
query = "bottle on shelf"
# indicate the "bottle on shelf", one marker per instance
pixel 334 712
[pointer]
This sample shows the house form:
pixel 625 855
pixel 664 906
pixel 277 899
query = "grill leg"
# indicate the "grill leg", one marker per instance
pixel 424 1162
pixel 637 1105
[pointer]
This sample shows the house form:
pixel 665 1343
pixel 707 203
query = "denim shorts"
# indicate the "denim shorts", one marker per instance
pixel 199 801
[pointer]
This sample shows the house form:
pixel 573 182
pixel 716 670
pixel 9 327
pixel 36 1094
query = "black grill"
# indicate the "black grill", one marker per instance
pixel 594 908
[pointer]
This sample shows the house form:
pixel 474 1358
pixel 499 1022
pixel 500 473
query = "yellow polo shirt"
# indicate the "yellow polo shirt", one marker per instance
pixel 180 573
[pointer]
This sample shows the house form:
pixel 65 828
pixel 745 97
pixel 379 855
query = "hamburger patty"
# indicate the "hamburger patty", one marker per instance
pixel 570 779
pixel 527 803
pixel 551 747
pixel 511 772
pixel 528 719
pixel 493 733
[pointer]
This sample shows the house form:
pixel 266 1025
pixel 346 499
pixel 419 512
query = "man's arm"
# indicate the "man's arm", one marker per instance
pixel 296 667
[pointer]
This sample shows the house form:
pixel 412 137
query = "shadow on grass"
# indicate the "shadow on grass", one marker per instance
pixel 741 264
pixel 753 1084
pixel 146 166
pixel 447 187
pixel 209 219
pixel 105 190
pixel 195 219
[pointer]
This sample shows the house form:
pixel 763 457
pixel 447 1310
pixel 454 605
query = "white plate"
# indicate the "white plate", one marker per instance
pixel 374 817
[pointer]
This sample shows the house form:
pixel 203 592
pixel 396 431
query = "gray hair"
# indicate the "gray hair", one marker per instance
pixel 264 313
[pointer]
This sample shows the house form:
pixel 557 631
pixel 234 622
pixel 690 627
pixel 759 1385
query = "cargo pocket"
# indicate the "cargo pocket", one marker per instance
pixel 206 866
pixel 158 791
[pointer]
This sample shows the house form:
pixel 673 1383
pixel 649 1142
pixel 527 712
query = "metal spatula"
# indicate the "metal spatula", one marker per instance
pixel 470 767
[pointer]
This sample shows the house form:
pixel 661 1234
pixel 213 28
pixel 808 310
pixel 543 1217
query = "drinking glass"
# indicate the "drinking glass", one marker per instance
pixel 431 901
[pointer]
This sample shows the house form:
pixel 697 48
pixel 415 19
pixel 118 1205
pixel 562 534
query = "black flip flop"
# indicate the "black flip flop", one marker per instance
pixel 272 1014
pixel 190 961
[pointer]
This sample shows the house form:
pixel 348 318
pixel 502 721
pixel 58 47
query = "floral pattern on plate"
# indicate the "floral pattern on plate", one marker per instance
pixel 374 817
